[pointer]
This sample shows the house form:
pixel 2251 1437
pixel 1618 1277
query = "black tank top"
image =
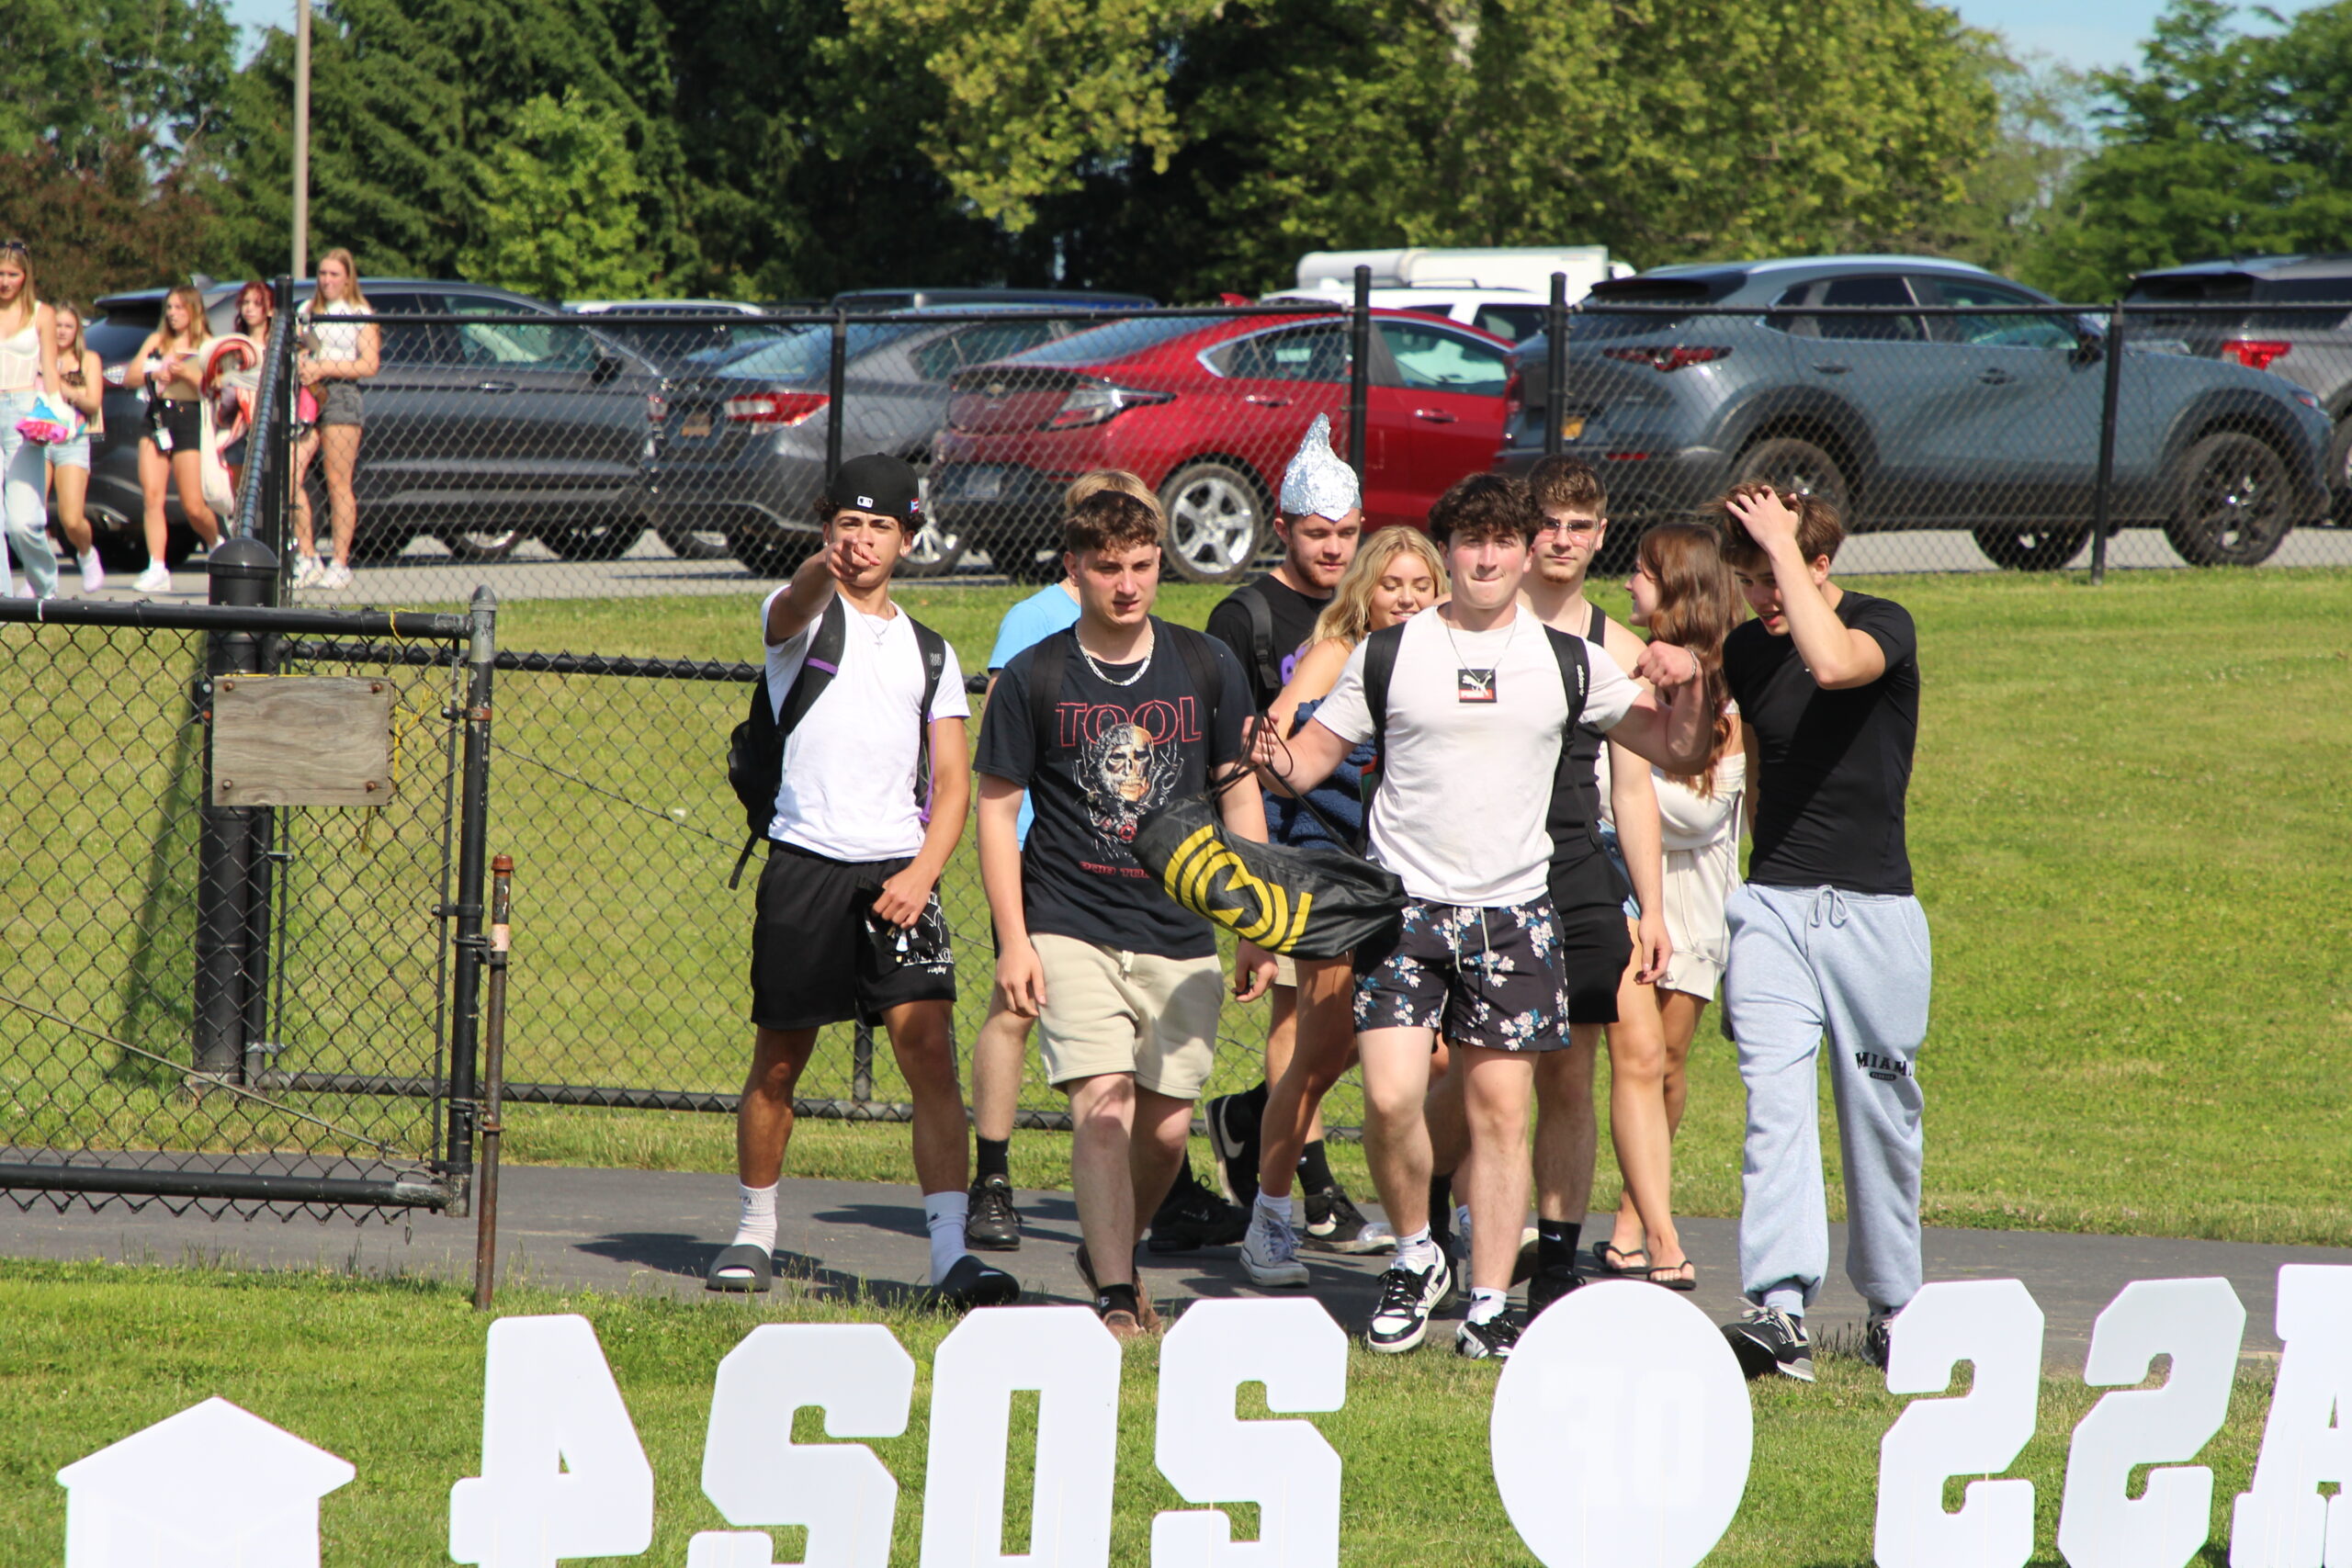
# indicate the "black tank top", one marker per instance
pixel 1581 874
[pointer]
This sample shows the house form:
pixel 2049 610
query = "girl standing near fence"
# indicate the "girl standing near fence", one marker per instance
pixel 336 356
pixel 256 308
pixel 171 454
pixel 27 367
pixel 1683 595
pixel 80 385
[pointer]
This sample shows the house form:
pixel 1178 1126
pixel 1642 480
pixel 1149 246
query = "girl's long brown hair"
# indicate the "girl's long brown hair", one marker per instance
pixel 200 330
pixel 1697 605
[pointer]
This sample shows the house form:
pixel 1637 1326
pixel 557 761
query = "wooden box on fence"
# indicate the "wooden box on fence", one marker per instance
pixel 302 741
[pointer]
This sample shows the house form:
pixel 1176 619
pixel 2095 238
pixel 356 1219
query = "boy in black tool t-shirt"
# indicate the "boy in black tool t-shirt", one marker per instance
pixel 1102 724
pixel 1825 936
pixel 1268 624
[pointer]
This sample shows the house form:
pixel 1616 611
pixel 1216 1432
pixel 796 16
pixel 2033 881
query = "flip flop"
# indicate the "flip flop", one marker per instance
pixel 1682 1276
pixel 760 1270
pixel 1617 1262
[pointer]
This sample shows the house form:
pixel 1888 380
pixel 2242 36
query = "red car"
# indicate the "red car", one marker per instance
pixel 1208 410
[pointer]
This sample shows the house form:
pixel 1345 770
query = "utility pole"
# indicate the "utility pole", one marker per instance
pixel 301 139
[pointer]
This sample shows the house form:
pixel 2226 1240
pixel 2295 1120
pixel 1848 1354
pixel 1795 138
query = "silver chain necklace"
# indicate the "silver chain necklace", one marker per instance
pixel 1141 669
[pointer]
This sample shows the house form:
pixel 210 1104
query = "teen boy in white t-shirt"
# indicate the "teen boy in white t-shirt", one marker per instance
pixel 1476 710
pixel 849 922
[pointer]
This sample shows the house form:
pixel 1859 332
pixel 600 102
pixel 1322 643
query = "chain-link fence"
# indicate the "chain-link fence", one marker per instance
pixel 218 990
pixel 1962 425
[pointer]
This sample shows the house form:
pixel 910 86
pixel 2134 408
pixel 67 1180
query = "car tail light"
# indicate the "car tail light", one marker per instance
pixel 657 408
pixel 776 408
pixel 1514 399
pixel 1096 402
pixel 1669 360
pixel 2255 354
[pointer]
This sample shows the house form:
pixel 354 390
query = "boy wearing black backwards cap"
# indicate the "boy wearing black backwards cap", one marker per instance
pixel 849 923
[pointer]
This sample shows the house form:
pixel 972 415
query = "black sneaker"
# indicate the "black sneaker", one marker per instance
pixel 1233 1121
pixel 1193 1217
pixel 1766 1340
pixel 1400 1320
pixel 1877 1339
pixel 1548 1285
pixel 1334 1225
pixel 1491 1339
pixel 992 1224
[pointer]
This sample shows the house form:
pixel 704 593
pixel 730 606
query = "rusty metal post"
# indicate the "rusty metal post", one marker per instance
pixel 493 1051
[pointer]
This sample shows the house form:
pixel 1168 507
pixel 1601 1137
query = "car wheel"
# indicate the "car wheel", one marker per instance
pixel 2031 549
pixel 1788 463
pixel 482 544
pixel 696 543
pixel 774 558
pixel 178 545
pixel 2232 504
pixel 1215 522
pixel 374 548
pixel 120 552
pixel 936 549
pixel 2339 471
pixel 593 541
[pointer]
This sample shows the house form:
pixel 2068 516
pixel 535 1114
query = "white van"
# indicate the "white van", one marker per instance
pixel 1503 289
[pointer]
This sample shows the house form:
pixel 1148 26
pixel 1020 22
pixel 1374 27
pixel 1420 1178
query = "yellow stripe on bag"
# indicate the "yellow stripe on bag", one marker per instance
pixel 1189 879
pixel 1174 877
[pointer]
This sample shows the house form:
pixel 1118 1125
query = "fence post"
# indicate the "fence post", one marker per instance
pixel 227 843
pixel 473 835
pixel 836 378
pixel 1555 364
pixel 2102 500
pixel 1359 368
pixel 493 1051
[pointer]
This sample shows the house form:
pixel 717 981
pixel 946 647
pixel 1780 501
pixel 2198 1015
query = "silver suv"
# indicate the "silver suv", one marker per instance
pixel 1980 411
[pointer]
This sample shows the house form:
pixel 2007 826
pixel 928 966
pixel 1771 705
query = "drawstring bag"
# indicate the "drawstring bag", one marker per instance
pixel 1304 903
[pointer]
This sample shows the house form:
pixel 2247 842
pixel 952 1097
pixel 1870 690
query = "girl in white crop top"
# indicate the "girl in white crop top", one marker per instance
pixel 27 368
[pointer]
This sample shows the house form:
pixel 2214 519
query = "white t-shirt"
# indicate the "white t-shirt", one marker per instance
pixel 338 342
pixel 849 771
pixel 1465 786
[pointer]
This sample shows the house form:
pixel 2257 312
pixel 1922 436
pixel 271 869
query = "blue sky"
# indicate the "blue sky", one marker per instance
pixel 2083 33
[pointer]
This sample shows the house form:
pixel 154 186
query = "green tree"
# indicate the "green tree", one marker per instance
pixel 559 206
pixel 2221 142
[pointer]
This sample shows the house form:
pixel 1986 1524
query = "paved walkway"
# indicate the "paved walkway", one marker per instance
pixel 653 1231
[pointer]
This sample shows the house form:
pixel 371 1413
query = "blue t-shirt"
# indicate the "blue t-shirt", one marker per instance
pixel 1027 624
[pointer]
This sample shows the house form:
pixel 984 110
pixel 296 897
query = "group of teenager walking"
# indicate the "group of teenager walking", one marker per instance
pixel 196 388
pixel 1561 799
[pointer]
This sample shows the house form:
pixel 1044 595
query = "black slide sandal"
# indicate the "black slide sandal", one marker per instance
pixel 743 1255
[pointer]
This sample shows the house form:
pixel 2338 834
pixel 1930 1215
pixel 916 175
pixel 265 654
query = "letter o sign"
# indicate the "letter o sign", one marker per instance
pixel 1621 1431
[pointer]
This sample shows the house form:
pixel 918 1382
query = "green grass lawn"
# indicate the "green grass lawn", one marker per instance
pixel 389 1375
pixel 2125 821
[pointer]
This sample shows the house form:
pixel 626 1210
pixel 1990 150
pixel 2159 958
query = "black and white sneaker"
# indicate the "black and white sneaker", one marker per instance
pixel 1548 1285
pixel 1335 1224
pixel 1768 1340
pixel 1193 1217
pixel 992 1223
pixel 1400 1320
pixel 1878 1338
pixel 1491 1339
pixel 1234 1121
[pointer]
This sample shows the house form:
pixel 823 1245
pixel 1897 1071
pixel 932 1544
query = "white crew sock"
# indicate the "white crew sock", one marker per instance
pixel 1280 1208
pixel 943 1215
pixel 755 1225
pixel 1486 1305
pixel 1416 1251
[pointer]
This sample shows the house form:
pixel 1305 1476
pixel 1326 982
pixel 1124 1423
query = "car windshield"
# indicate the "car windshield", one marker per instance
pixel 1116 341
pixel 801 354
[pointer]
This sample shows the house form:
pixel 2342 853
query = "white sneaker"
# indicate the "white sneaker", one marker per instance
pixel 337 576
pixel 156 579
pixel 1269 1250
pixel 307 573
pixel 94 573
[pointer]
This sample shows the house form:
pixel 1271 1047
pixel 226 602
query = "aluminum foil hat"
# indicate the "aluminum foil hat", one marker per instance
pixel 1317 483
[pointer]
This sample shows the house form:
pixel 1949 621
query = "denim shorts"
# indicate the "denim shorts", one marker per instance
pixel 73 454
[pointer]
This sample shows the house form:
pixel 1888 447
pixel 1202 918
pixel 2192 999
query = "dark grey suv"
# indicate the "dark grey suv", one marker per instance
pixel 1823 374
pixel 2288 315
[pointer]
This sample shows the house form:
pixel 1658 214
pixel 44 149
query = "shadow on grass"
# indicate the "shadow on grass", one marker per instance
pixel 158 990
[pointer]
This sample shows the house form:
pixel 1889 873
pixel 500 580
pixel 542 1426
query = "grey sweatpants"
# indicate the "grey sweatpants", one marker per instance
pixel 1806 961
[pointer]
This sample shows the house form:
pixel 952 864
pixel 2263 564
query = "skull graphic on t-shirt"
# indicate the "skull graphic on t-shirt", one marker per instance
pixel 1124 774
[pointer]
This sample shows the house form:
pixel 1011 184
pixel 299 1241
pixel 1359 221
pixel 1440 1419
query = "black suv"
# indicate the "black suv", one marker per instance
pixel 480 434
pixel 2296 321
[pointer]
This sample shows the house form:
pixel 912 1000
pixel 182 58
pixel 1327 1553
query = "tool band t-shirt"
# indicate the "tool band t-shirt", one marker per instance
pixel 1835 765
pixel 1121 752
pixel 1465 786
pixel 1294 614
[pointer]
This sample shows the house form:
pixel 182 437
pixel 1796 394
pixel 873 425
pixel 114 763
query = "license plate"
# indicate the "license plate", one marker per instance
pixel 1572 427
pixel 694 425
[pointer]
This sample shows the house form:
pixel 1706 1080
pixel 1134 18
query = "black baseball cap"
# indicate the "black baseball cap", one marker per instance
pixel 880 483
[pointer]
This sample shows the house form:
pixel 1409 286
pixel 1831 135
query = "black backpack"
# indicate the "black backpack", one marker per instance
pixel 1380 668
pixel 1266 669
pixel 755 747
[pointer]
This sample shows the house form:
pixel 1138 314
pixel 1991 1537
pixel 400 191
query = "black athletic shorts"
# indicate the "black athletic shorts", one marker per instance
pixel 1594 949
pixel 821 955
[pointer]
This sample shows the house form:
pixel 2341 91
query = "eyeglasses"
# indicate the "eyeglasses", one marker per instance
pixel 1577 528
pixel 15 247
